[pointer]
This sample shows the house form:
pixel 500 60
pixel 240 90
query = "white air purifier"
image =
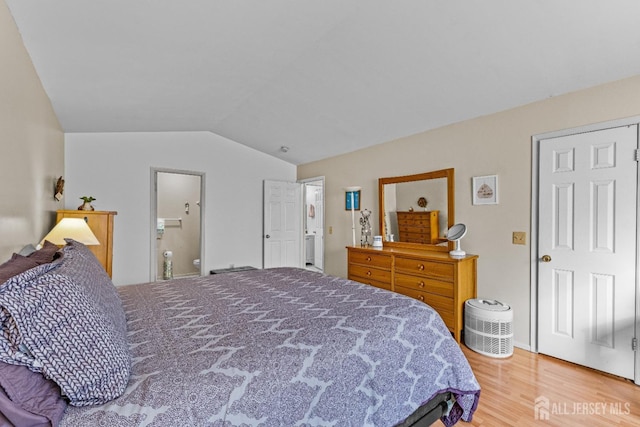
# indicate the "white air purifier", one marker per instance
pixel 488 327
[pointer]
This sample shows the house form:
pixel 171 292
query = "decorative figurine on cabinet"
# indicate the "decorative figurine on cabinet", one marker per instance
pixel 86 206
pixel 365 233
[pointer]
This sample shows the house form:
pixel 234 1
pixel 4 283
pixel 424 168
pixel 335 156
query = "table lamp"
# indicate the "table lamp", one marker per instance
pixel 71 228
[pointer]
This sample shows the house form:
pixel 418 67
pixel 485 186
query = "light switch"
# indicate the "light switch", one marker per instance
pixel 519 238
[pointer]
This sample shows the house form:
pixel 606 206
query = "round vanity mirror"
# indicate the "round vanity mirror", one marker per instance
pixel 455 233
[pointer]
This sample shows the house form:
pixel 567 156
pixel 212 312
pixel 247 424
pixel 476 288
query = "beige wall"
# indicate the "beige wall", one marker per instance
pixel 32 146
pixel 495 144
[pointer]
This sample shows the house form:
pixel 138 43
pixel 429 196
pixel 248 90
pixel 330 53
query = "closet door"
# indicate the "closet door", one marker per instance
pixel 587 248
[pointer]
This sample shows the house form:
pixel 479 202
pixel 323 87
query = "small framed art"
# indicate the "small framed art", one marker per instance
pixel 485 190
pixel 356 200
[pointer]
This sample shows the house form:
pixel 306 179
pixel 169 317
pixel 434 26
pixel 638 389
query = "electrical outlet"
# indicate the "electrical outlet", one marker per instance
pixel 330 230
pixel 519 238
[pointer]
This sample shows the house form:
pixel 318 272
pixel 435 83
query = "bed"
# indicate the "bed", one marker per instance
pixel 272 347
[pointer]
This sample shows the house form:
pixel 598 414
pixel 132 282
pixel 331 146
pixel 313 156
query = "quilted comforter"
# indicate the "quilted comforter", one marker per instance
pixel 281 347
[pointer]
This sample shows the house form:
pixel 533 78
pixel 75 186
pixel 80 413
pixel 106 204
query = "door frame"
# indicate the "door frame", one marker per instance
pixel 304 183
pixel 534 256
pixel 153 215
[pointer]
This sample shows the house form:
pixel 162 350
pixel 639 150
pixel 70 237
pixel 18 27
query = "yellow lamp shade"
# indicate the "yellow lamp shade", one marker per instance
pixel 71 228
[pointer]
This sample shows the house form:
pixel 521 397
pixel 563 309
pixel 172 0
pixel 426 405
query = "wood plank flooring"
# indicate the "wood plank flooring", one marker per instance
pixel 571 395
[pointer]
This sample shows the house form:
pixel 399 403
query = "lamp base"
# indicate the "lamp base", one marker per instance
pixel 457 253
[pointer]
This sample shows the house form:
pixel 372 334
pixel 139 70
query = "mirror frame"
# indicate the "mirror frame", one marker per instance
pixel 443 173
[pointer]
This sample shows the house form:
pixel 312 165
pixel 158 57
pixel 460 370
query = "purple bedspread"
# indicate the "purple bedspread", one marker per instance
pixel 280 347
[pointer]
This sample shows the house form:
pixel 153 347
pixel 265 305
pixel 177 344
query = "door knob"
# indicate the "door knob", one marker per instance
pixel 545 258
pixel 267 236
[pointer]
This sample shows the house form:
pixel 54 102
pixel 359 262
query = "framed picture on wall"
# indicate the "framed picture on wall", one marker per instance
pixel 356 200
pixel 485 190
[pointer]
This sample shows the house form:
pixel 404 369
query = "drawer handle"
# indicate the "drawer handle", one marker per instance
pixel 420 267
pixel 368 258
pixel 421 298
pixel 421 284
pixel 369 273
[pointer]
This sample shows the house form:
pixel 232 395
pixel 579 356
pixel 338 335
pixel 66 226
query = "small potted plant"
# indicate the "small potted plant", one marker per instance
pixel 86 206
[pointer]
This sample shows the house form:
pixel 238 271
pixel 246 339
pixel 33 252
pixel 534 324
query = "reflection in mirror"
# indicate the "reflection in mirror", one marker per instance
pixel 403 199
pixel 417 209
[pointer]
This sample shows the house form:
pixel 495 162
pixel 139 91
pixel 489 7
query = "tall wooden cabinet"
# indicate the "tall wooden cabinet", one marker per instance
pixel 435 278
pixel 101 223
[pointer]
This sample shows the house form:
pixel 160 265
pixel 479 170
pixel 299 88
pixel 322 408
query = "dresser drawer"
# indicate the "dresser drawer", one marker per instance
pixel 434 269
pixel 370 259
pixel 369 273
pixel 417 216
pixel 443 305
pixel 414 225
pixel 370 282
pixel 416 238
pixel 425 284
pixel 414 229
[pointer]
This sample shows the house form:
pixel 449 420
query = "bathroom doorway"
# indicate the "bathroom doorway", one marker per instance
pixel 313 223
pixel 177 212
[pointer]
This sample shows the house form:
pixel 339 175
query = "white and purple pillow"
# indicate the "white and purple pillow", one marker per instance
pixel 65 320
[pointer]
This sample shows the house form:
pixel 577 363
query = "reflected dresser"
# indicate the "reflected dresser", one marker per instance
pixel 418 226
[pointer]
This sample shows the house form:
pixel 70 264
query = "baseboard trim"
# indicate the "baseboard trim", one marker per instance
pixel 526 347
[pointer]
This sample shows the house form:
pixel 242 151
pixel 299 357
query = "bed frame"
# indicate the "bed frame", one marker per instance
pixel 431 411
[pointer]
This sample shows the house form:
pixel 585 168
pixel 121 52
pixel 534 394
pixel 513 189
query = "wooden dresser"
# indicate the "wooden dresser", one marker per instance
pixel 436 278
pixel 418 226
pixel 101 223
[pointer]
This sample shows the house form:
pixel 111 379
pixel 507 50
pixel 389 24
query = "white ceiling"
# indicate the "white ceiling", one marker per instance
pixel 323 77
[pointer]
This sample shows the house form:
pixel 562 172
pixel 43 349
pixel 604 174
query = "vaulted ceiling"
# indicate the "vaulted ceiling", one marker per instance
pixel 322 77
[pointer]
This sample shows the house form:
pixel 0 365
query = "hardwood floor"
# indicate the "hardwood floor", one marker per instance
pixel 571 395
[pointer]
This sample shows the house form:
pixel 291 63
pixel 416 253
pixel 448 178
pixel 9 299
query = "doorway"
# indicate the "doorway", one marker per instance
pixel 177 212
pixel 314 223
pixel 584 246
pixel 293 224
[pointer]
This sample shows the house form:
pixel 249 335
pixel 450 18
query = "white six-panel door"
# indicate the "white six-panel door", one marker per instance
pixel 282 246
pixel 587 248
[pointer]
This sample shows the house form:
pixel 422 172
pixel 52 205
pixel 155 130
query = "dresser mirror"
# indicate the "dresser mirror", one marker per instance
pixel 415 211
